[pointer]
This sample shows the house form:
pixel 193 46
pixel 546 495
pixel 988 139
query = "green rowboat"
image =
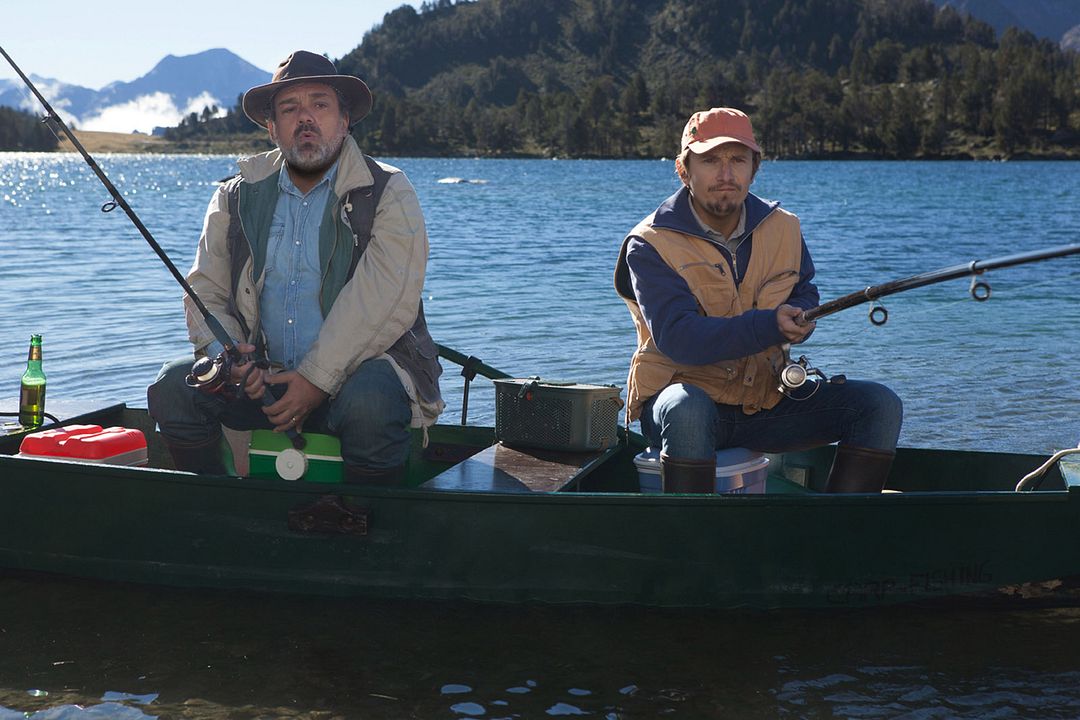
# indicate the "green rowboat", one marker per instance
pixel 482 522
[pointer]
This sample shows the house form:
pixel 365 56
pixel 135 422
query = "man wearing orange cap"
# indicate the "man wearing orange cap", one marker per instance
pixel 716 280
pixel 312 258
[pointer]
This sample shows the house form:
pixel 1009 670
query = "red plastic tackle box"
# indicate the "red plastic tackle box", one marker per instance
pixel 87 443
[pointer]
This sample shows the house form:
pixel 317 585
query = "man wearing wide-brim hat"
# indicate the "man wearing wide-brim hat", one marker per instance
pixel 313 259
pixel 717 281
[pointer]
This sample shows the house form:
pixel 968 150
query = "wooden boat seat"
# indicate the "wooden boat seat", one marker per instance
pixel 519 470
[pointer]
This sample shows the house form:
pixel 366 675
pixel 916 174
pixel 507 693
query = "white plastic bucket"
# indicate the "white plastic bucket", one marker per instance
pixel 738 470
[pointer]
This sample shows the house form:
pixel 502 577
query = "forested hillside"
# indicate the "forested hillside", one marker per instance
pixel 603 78
pixel 24 132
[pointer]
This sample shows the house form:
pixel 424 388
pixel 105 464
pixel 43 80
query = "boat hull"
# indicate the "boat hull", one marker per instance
pixel 765 551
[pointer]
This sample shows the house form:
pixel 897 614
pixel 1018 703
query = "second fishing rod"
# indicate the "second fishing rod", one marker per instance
pixel 797 373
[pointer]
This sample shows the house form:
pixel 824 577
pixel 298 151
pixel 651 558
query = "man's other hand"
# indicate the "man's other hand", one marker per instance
pixel 299 400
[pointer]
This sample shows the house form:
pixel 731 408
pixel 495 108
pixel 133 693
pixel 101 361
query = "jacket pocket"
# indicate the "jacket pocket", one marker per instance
pixel 776 289
pixel 716 300
pixel 711 285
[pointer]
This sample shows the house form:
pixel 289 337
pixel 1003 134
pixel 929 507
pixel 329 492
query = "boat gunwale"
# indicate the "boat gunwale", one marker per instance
pixel 66 466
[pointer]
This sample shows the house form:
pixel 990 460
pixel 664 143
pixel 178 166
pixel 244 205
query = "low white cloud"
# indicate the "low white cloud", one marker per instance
pixel 206 100
pixel 51 90
pixel 147 112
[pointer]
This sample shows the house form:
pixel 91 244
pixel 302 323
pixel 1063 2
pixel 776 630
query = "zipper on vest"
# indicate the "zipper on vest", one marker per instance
pixel 718 266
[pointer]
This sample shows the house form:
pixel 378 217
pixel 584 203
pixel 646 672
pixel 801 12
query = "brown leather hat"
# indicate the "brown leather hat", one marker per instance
pixel 300 67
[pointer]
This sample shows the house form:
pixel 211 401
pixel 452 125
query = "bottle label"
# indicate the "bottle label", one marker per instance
pixel 32 405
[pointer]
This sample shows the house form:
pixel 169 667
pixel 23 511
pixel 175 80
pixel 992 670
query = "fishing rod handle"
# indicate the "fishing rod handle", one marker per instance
pixel 269 397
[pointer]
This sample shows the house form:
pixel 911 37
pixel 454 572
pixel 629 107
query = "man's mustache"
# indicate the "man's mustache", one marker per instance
pixel 306 127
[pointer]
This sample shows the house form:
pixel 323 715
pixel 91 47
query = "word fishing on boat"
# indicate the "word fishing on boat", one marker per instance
pixel 210 375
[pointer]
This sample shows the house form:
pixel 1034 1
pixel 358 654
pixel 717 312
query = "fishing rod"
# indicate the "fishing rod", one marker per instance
pixel 796 373
pixel 207 374
pixel 980 289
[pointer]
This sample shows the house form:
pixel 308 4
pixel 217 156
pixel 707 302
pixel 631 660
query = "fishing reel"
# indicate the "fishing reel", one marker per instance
pixel 795 374
pixel 214 375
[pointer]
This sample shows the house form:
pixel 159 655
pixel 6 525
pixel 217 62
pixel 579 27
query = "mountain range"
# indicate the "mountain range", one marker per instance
pixel 173 89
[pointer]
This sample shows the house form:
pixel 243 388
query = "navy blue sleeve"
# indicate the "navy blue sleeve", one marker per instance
pixel 805 293
pixel 680 331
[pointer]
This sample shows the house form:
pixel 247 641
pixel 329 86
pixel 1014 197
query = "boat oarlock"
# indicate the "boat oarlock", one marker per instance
pixel 797 373
pixel 208 374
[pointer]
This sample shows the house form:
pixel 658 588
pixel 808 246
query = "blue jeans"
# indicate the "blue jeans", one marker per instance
pixel 370 414
pixel 684 422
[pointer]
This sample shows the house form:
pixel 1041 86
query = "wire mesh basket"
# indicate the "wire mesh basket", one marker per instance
pixel 556 415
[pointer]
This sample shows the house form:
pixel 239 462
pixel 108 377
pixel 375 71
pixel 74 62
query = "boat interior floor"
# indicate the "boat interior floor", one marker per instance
pixel 500 468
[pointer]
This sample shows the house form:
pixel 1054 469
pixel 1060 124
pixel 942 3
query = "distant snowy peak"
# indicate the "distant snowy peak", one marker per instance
pixel 174 88
pixel 1071 39
pixel 1053 19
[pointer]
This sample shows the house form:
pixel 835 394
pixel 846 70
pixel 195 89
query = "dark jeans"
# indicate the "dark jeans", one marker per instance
pixel 684 422
pixel 370 414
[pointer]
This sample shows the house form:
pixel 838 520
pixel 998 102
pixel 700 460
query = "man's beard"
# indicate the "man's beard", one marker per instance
pixel 720 208
pixel 317 157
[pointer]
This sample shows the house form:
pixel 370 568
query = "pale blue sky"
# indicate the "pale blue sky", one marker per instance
pixel 92 44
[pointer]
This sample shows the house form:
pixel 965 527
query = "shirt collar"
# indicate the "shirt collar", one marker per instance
pixel 716 235
pixel 285 183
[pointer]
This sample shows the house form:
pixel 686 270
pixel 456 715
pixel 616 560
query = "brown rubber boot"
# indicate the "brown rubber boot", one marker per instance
pixel 381 477
pixel 859 470
pixel 204 459
pixel 687 475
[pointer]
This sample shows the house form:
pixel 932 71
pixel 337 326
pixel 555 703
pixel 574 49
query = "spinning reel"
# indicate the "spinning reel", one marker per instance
pixel 214 375
pixel 799 372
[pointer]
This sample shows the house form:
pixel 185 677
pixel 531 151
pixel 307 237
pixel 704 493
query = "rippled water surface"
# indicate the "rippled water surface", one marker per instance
pixel 520 276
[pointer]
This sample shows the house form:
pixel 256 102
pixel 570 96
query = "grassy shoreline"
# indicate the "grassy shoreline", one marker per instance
pixel 109 142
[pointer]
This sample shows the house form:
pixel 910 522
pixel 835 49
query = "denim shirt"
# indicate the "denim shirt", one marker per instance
pixel 289 300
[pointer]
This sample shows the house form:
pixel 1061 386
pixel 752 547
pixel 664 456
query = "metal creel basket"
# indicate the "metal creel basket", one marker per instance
pixel 556 415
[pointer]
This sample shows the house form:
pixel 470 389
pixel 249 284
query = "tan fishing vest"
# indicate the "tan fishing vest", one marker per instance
pixel 770 277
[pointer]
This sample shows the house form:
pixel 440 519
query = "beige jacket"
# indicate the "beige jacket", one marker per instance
pixel 372 310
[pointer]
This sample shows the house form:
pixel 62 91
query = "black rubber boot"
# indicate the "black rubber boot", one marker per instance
pixel 202 459
pixel 859 470
pixel 381 477
pixel 687 475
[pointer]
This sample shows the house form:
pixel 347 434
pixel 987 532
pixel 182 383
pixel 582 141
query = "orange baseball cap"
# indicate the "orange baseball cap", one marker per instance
pixel 709 128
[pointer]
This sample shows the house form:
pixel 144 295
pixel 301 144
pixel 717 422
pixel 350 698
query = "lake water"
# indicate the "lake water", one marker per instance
pixel 520 276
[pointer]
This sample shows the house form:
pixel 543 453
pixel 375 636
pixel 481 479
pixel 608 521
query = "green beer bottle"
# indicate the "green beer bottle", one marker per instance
pixel 32 394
